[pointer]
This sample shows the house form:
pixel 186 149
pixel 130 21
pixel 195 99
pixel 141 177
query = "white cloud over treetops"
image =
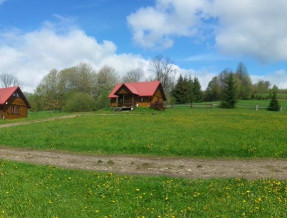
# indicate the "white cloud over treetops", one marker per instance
pixel 254 28
pixel 30 56
pixel 278 78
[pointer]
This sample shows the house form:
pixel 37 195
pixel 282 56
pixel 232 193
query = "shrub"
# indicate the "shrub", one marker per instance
pixel 102 101
pixel 158 105
pixel 80 102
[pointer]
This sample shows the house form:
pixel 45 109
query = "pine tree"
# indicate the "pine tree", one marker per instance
pixel 228 92
pixel 197 92
pixel 180 91
pixel 190 89
pixel 274 104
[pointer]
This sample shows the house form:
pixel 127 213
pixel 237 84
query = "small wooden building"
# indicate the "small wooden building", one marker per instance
pixel 139 94
pixel 13 103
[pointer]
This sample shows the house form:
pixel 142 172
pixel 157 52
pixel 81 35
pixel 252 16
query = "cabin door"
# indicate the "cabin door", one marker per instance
pixel 121 100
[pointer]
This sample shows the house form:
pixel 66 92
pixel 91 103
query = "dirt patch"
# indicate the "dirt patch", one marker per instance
pixel 160 166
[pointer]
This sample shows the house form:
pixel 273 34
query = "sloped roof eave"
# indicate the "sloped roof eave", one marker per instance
pixel 141 89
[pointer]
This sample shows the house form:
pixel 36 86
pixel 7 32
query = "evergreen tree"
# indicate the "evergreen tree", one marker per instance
pixel 228 92
pixel 197 92
pixel 190 89
pixel 274 104
pixel 180 91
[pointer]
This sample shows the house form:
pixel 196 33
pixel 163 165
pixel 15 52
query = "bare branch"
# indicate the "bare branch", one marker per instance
pixel 135 75
pixel 8 80
pixel 164 71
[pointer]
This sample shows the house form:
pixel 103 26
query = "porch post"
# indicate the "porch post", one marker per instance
pixel 117 102
pixel 132 100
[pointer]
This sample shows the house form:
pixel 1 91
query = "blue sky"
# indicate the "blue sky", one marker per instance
pixel 202 37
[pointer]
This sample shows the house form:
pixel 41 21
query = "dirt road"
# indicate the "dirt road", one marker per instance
pixel 160 166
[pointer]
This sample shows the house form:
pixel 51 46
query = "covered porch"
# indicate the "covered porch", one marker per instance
pixel 126 100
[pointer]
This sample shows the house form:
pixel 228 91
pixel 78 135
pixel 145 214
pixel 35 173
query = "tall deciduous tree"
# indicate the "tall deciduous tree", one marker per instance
pixel 8 80
pixel 164 71
pixel 48 92
pixel 243 82
pixel 261 87
pixel 213 90
pixel 107 78
pixel 135 75
pixel 229 95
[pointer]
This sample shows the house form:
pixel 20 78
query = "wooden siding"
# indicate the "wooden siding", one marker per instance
pixel 16 108
pixel 157 97
pixel 138 101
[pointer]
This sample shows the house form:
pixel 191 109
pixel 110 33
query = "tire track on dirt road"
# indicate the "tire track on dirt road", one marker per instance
pixel 153 166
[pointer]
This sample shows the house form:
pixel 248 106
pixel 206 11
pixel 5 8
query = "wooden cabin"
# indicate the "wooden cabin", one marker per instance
pixel 13 103
pixel 139 94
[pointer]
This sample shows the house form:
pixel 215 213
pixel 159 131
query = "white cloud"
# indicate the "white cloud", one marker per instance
pixel 30 56
pixel 278 78
pixel 256 28
pixel 155 26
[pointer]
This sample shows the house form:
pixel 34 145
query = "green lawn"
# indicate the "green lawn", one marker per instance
pixel 174 132
pixel 36 191
pixel 241 104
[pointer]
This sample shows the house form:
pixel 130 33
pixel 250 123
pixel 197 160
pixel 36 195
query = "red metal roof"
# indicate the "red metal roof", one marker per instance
pixel 6 93
pixel 142 89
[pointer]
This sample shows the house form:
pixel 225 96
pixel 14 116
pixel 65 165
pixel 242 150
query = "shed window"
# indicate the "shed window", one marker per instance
pixel 15 110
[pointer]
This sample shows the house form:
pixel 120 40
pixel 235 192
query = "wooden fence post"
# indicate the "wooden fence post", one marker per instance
pixel 281 108
pixel 256 108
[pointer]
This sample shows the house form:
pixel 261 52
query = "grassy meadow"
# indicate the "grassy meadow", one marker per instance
pixel 37 191
pixel 41 191
pixel 211 133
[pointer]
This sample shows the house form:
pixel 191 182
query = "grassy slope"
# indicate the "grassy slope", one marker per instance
pixel 181 132
pixel 35 191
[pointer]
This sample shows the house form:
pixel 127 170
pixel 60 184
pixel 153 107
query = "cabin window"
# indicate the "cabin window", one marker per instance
pixel 15 110
pixel 15 94
pixel 141 99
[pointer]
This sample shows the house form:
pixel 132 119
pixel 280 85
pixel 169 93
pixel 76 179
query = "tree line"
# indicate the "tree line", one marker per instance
pixel 227 84
pixel 82 88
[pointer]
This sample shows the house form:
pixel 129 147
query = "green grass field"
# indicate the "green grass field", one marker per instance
pixel 174 132
pixel 36 191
